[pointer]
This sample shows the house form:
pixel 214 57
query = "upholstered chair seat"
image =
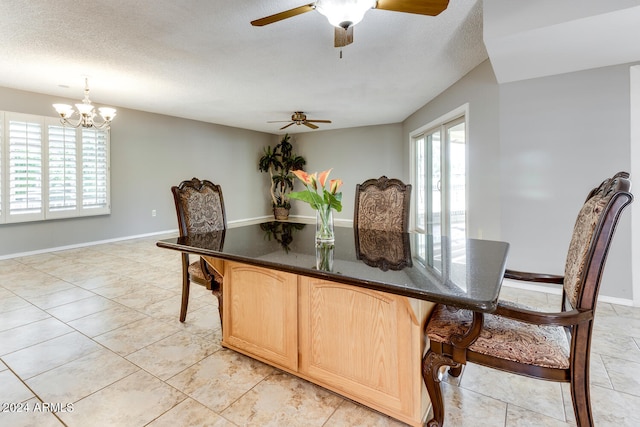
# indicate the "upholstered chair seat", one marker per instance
pixel 504 338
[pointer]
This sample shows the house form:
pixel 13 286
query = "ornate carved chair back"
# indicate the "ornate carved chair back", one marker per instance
pixel 382 204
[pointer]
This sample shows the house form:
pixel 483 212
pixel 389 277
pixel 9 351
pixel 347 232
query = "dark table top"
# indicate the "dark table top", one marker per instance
pixel 466 273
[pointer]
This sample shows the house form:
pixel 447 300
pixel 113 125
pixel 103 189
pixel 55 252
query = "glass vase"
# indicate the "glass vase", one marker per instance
pixel 324 225
pixel 324 256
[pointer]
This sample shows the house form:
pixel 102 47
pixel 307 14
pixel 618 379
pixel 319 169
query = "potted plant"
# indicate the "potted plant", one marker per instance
pixel 280 161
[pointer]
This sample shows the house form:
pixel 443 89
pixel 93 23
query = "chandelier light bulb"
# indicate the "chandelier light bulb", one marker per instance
pixel 344 13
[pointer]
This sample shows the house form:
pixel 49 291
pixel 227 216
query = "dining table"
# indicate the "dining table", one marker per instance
pixel 348 315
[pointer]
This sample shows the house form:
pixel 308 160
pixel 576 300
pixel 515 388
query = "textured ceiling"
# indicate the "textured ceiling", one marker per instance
pixel 201 59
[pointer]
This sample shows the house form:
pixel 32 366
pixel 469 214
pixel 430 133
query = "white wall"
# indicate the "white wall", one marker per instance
pixel 560 136
pixel 149 154
pixel 355 155
pixel 480 90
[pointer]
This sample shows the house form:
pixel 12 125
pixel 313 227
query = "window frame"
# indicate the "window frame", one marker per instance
pixel 47 211
pixel 441 126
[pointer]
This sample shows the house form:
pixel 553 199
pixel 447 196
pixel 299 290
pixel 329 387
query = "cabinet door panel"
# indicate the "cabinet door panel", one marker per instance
pixel 362 342
pixel 260 313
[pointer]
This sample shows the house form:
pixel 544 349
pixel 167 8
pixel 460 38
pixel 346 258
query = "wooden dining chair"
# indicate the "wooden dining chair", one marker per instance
pixel 200 209
pixel 382 204
pixel 551 346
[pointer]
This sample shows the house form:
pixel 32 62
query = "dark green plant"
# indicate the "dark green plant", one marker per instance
pixel 281 232
pixel 279 162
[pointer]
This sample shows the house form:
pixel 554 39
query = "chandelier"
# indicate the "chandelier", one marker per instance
pixel 344 13
pixel 85 113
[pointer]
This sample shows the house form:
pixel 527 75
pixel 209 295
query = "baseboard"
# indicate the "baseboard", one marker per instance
pixel 558 291
pixel 87 244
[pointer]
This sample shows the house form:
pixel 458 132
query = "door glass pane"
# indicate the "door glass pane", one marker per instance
pixel 434 206
pixel 457 188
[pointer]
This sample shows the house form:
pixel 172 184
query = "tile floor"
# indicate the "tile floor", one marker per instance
pixel 91 337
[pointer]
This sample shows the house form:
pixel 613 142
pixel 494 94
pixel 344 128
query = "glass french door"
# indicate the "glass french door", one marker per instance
pixel 440 181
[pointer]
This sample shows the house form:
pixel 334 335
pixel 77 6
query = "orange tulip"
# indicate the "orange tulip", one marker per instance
pixel 323 177
pixel 302 176
pixel 335 185
pixel 313 180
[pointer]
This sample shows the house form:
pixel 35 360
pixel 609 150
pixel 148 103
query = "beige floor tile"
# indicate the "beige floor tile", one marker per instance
pixel 467 408
pixel 30 334
pixel 106 320
pixel 615 344
pixel 203 320
pixel 281 399
pixel 38 287
pixel 136 335
pixel 520 417
pixel 628 312
pixel 13 391
pixel 614 409
pixel 133 401
pixel 536 395
pixel 172 355
pixel 81 377
pixel 22 316
pixel 354 415
pixel 196 414
pixel 39 358
pixel 58 298
pixel 34 416
pixel 9 302
pixel 76 310
pixel 100 280
pixel 142 298
pixel 625 375
pixel 220 379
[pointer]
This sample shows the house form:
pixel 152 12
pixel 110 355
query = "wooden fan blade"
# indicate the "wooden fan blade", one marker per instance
pixel 283 15
pixel 421 7
pixel 284 127
pixel 343 36
pixel 311 125
pixel 278 121
pixel 319 121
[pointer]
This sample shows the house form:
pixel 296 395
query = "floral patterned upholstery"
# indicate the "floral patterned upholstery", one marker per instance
pixel 583 232
pixel 386 250
pixel 202 209
pixel 382 204
pixel 508 339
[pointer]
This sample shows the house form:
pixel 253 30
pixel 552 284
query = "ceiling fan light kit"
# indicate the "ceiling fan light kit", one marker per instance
pixel 344 13
pixel 300 118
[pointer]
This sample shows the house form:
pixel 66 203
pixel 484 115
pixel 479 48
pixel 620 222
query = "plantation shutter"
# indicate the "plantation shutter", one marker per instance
pixel 25 169
pixel 63 188
pixel 95 169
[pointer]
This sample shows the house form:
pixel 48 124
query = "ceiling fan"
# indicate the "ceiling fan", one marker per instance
pixel 299 118
pixel 344 14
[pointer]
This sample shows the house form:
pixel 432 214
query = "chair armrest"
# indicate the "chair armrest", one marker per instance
pixel 563 318
pixel 533 277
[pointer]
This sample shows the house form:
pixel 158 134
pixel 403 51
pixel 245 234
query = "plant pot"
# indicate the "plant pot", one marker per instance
pixel 281 213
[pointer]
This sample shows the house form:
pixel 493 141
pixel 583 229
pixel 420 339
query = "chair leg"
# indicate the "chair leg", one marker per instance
pixel 431 364
pixel 185 299
pixel 580 395
pixel 219 295
pixel 455 371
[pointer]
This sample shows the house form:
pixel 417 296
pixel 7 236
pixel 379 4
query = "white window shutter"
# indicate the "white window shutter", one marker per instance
pixel 25 168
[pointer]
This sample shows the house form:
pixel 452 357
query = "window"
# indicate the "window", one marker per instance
pixel 439 178
pixel 50 171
